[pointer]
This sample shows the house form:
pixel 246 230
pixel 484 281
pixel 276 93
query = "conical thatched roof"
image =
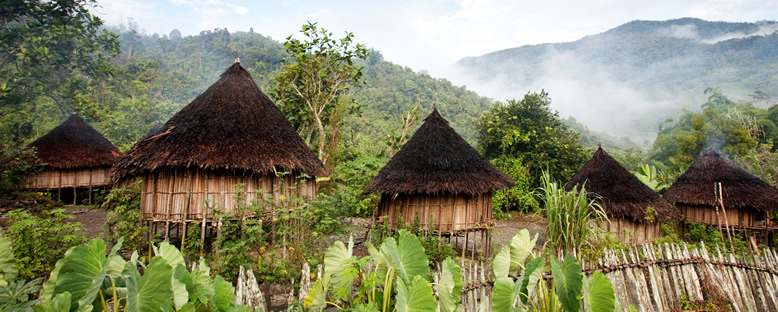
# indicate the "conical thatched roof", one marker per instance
pixel 622 194
pixel 740 188
pixel 232 125
pixel 437 160
pixel 75 144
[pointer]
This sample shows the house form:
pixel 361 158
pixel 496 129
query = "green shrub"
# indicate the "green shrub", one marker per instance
pixel 39 240
pixel 124 217
pixel 517 198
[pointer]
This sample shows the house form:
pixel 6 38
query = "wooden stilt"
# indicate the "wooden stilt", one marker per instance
pixel 183 237
pixel 74 196
pixel 202 236
pixel 167 230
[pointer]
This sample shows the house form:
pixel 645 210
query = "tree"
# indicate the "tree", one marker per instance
pixel 722 125
pixel 313 88
pixel 528 129
pixel 44 43
pixel 48 51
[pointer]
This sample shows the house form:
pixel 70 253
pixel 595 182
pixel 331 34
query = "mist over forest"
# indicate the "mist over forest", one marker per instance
pixel 627 80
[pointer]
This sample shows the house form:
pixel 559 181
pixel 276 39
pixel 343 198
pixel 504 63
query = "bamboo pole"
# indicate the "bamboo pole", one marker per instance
pixel 726 219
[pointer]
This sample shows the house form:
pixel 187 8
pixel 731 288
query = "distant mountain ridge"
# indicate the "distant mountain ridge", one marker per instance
pixel 667 64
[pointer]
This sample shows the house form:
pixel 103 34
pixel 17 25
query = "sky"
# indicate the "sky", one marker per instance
pixel 425 35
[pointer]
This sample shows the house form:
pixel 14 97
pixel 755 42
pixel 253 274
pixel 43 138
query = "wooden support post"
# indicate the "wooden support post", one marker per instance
pixel 183 237
pixel 726 219
pixel 167 229
pixel 74 196
pixel 202 236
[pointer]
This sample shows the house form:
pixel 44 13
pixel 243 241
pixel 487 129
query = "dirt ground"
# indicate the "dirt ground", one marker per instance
pixel 92 221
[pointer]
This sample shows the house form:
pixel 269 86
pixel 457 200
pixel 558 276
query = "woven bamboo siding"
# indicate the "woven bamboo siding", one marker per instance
pixel 49 179
pixel 450 213
pixel 186 194
pixel 707 215
pixel 631 232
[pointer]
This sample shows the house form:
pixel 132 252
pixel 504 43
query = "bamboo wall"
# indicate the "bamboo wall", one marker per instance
pixel 191 194
pixel 52 179
pixel 451 213
pixel 631 232
pixel 743 218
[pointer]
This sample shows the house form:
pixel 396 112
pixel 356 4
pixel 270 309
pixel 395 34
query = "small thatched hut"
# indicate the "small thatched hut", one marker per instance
pixel 75 155
pixel 437 174
pixel 625 199
pixel 230 134
pixel 748 201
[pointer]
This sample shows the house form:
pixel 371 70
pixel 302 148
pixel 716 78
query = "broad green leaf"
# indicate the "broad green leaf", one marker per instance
pixel 179 287
pixel 60 303
pixel 521 245
pixel 568 282
pixel 317 296
pixel 190 307
pixel 338 265
pixel 502 262
pixel 598 294
pixel 417 297
pixel 504 297
pixel 8 269
pixel 201 280
pixel 170 253
pixel 450 285
pixel 529 279
pixel 511 257
pixel 82 273
pixel 223 294
pixel 408 258
pixel 51 284
pixel 115 266
pixel 151 291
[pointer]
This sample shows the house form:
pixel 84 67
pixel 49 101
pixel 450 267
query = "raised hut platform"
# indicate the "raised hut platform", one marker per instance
pixel 231 137
pixel 439 178
pixel 714 191
pixel 625 199
pixel 76 157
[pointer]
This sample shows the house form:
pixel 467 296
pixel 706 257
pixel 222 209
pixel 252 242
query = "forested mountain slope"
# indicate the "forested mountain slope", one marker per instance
pixel 647 69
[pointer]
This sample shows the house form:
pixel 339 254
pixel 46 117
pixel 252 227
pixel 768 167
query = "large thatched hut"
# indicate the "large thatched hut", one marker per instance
pixel 634 210
pixel 440 178
pixel 231 137
pixel 75 156
pixel 712 180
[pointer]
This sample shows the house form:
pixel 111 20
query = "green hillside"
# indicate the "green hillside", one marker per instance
pixel 642 71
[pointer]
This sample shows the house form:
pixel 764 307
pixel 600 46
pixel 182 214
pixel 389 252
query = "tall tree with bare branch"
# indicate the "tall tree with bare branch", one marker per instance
pixel 314 85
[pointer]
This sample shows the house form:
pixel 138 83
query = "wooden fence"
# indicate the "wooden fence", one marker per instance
pixel 648 277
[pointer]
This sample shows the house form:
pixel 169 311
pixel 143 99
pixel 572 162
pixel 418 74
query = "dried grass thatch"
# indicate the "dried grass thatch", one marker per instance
pixel 437 160
pixel 740 188
pixel 75 144
pixel 232 125
pixel 622 194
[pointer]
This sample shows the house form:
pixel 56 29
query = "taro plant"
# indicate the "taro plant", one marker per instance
pixel 394 277
pixel 88 280
pixel 569 290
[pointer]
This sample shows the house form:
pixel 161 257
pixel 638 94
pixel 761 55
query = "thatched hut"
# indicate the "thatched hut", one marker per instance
pixel 440 178
pixel 634 209
pixel 76 156
pixel 231 137
pixel 712 180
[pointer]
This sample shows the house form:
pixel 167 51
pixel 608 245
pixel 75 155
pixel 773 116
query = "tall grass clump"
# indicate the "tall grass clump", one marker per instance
pixel 573 218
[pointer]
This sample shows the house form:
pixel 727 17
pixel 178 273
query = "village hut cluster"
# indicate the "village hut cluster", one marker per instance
pixel 232 137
